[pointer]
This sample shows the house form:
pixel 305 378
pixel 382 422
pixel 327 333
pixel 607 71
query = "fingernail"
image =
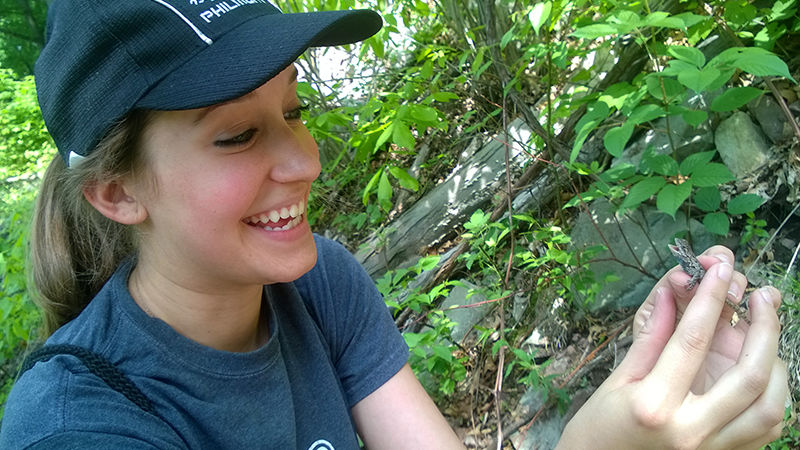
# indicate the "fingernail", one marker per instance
pixel 766 294
pixel 724 271
pixel 650 309
pixel 723 257
pixel 733 293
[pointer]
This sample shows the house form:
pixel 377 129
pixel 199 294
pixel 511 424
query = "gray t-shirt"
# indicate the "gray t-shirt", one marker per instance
pixel 333 343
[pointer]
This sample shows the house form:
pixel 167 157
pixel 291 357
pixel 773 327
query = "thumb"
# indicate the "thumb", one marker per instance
pixel 653 326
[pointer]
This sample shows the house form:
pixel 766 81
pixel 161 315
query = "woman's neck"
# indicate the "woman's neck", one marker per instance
pixel 229 320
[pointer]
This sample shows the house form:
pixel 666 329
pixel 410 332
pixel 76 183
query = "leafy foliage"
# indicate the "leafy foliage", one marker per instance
pixel 21 34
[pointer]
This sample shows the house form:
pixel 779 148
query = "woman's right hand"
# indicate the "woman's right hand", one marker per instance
pixel 698 384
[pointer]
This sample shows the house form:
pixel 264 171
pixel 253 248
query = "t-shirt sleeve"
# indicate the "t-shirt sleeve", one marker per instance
pixel 58 404
pixel 365 346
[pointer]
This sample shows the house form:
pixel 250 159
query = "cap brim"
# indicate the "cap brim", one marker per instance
pixel 252 53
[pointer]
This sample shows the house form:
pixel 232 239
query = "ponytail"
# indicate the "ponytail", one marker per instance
pixel 75 249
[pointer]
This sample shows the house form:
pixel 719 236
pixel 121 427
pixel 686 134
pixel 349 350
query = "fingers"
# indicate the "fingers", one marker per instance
pixel 754 373
pixel 687 348
pixel 653 325
pixel 762 422
pixel 678 279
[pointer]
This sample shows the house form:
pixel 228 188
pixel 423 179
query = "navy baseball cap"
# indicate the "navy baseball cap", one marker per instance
pixel 104 58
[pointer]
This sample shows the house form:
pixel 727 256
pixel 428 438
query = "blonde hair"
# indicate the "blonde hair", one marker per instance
pixel 73 248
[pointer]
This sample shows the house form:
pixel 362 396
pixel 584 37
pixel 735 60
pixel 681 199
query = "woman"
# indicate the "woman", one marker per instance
pixel 170 244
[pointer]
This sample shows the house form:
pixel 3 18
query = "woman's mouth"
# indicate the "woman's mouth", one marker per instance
pixel 282 219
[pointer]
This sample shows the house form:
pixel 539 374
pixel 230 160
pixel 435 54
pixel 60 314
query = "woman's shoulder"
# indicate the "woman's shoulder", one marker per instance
pixel 336 269
pixel 60 400
pixel 328 248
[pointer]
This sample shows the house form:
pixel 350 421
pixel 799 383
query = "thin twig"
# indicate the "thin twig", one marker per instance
pixel 771 238
pixel 588 362
pixel 789 269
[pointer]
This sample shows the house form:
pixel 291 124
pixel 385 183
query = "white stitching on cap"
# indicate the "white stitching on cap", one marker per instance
pixel 199 33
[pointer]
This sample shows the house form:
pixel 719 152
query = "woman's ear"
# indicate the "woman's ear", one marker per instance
pixel 114 201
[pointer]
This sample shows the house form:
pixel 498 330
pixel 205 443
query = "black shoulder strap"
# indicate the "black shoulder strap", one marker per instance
pixel 99 366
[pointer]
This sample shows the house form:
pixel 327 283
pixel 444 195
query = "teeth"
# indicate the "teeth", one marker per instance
pixel 293 211
pixel 293 223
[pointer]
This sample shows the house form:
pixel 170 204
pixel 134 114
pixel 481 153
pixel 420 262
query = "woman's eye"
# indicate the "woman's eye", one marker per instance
pixel 240 139
pixel 296 113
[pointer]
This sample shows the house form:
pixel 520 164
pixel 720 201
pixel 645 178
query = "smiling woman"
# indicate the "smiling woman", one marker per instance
pixel 171 246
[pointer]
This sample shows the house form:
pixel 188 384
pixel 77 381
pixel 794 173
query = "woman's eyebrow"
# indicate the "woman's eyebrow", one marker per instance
pixel 205 111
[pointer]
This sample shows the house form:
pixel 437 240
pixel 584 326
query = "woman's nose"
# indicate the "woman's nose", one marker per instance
pixel 296 156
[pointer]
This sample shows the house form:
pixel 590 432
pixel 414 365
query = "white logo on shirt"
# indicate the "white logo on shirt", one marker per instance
pixel 321 444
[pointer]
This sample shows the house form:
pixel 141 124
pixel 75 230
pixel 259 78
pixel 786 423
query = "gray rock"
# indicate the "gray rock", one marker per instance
pixel 545 431
pixel 650 249
pixel 771 118
pixel 465 318
pixel 741 144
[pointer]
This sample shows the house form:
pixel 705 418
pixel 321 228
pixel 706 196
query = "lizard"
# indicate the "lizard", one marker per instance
pixel 689 263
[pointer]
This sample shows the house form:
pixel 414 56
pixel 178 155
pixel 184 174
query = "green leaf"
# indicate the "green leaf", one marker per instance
pixel 402 135
pixel 646 113
pixel 413 339
pixel 595 31
pixel 690 19
pixel 675 67
pixel 427 70
pixel 661 164
pixel 754 60
pixel 384 137
pixel 617 94
pixel 693 117
pixel 478 220
pixel 539 15
pixel 664 20
pixel 744 203
pixel 671 88
pixel 626 21
pixel 695 160
pixel 698 80
pixel 424 114
pixel 672 196
pixel 717 223
pixel 734 98
pixel 370 186
pixel 406 180
pixel 385 192
pixel 616 138
pixel 428 262
pixel 377 46
pixel 510 34
pixel 783 9
pixel 711 174
pixel 595 113
pixel 707 198
pixel 688 54
pixel 444 97
pixel 618 172
pixel 642 191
